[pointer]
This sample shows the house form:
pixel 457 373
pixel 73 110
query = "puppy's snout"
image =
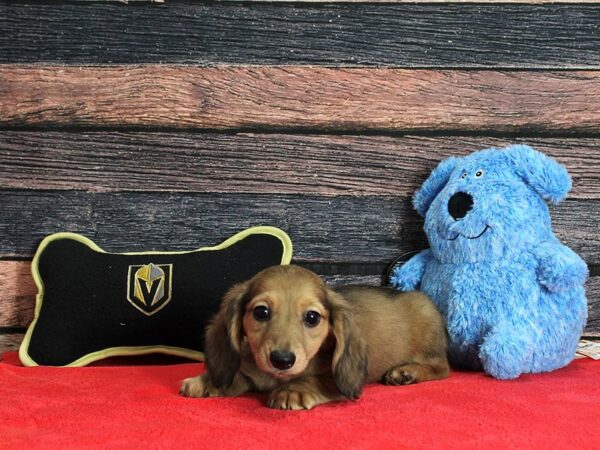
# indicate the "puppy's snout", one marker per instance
pixel 282 359
pixel 459 205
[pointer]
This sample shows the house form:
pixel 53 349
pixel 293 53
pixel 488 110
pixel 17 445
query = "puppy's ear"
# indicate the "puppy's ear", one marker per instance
pixel 433 185
pixel 544 174
pixel 224 336
pixel 350 355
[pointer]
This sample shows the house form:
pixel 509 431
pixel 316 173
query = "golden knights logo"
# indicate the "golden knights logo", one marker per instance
pixel 149 286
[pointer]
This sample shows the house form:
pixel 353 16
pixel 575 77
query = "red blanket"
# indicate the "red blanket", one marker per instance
pixel 138 406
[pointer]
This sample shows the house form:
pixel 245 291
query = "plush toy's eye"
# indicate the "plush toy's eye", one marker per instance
pixel 479 174
pixel 312 319
pixel 261 313
pixel 464 175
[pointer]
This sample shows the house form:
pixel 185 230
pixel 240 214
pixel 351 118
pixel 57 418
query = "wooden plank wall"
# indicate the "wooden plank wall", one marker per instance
pixel 172 125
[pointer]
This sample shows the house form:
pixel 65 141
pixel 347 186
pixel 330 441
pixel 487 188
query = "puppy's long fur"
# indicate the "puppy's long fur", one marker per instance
pixel 286 333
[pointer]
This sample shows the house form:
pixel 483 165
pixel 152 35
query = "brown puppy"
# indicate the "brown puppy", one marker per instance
pixel 285 332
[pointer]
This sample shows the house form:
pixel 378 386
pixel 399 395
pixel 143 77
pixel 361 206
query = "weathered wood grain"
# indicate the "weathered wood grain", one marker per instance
pixel 341 280
pixel 485 2
pixel 17 294
pixel 324 229
pixel 536 2
pixel 10 342
pixel 400 1
pixel 361 1
pixel 300 98
pixel 593 294
pixel 256 163
pixel 17 300
pixel 360 34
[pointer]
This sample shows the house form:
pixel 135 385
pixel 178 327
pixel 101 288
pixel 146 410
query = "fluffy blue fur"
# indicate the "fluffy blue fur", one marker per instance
pixel 513 297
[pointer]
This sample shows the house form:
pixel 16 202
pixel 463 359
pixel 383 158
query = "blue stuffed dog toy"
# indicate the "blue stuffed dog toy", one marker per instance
pixel 511 293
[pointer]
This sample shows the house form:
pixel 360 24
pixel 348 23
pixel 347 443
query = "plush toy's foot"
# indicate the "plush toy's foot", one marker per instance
pixel 506 355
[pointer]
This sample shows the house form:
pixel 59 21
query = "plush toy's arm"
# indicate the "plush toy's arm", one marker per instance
pixel 559 267
pixel 408 276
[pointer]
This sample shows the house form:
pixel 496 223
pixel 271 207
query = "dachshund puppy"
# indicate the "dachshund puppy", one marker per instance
pixel 286 333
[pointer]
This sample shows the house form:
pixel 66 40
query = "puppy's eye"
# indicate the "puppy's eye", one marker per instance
pixel 312 319
pixel 261 313
pixel 479 174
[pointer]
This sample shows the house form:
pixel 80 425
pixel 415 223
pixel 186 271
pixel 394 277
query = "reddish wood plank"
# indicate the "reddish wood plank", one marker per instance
pixel 17 294
pixel 299 98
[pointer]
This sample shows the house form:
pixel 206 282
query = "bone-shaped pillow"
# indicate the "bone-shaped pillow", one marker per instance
pixel 92 304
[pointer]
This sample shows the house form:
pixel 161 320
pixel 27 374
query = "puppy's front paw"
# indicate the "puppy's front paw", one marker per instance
pixel 400 376
pixel 292 399
pixel 199 386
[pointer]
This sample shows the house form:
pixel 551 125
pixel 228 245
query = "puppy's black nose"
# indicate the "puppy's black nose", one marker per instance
pixel 282 359
pixel 459 205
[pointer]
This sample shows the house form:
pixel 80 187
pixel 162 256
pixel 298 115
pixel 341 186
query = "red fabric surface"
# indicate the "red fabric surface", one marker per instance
pixel 138 406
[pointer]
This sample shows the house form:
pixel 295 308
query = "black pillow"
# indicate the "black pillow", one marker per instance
pixel 92 304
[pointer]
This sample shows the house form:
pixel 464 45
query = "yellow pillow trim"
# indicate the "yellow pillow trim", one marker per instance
pixel 141 350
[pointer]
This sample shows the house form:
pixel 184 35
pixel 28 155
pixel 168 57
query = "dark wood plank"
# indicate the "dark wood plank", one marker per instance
pixel 256 163
pixel 409 1
pixel 276 98
pixel 341 280
pixel 324 229
pixel 395 1
pixel 408 35
pixel 593 295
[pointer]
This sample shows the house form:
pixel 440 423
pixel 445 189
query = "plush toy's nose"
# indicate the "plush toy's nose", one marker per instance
pixel 459 205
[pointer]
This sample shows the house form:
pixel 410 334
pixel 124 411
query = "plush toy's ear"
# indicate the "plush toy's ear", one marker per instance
pixel 545 175
pixel 433 185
